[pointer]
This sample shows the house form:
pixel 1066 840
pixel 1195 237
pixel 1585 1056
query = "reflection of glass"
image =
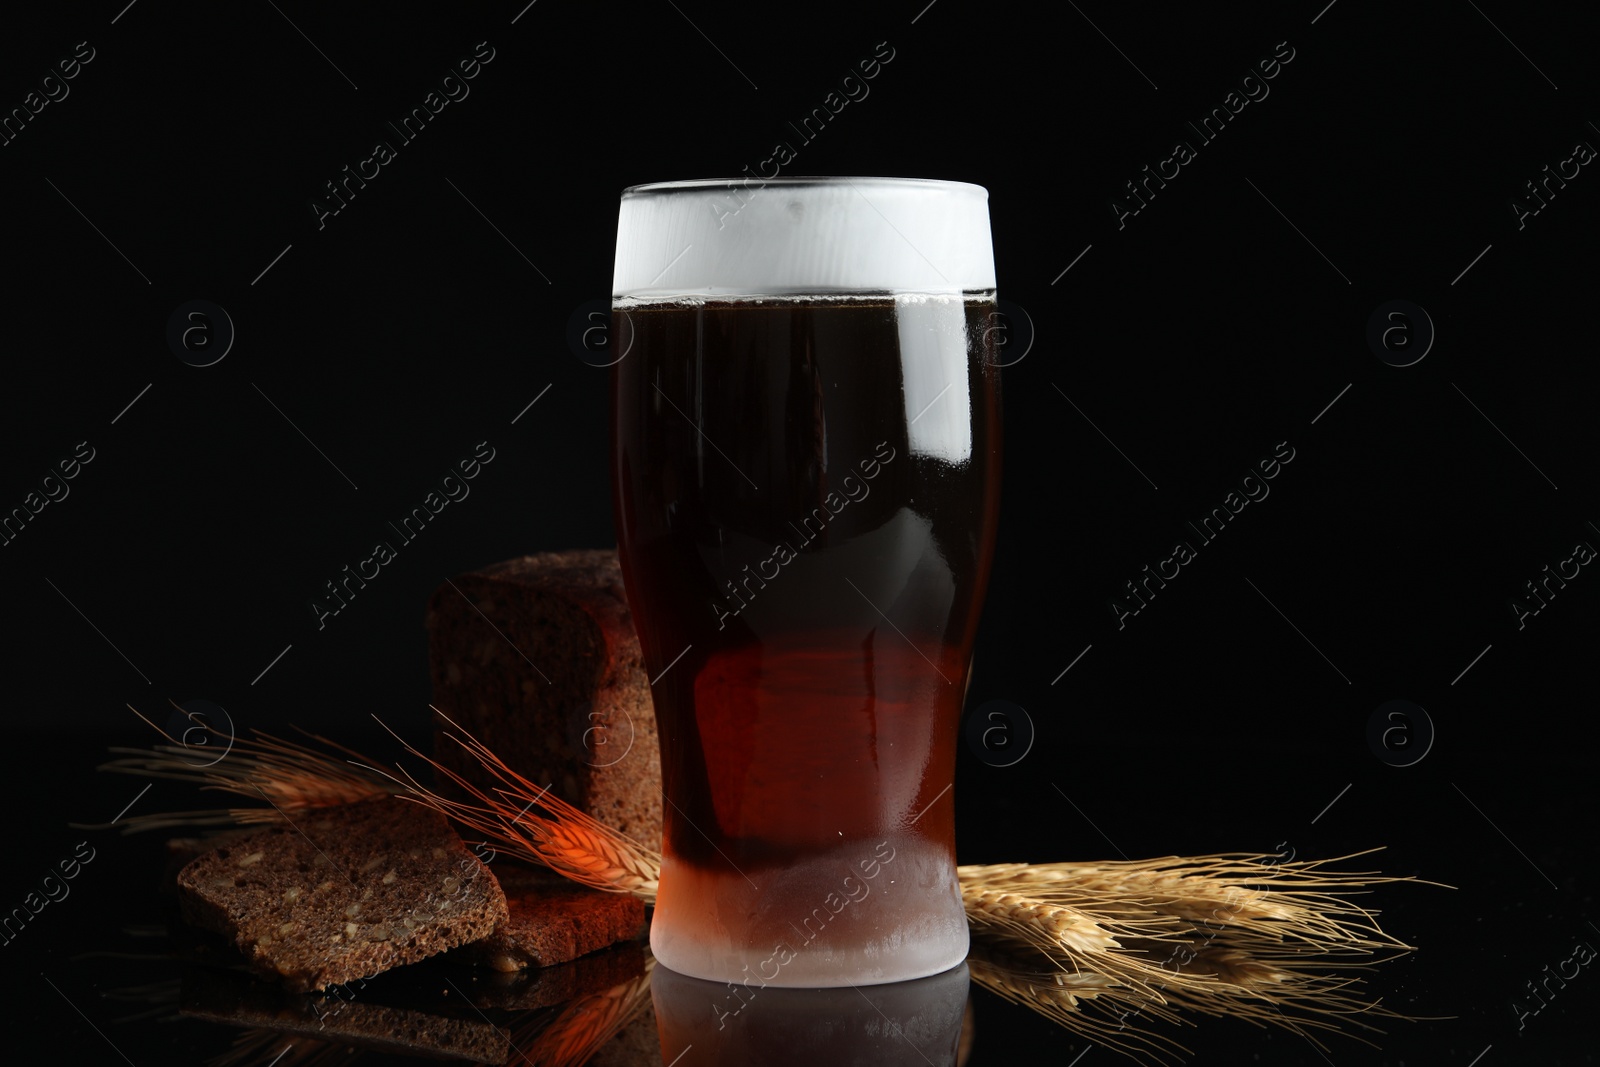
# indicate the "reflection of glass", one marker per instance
pixel 902 1024
pixel 806 460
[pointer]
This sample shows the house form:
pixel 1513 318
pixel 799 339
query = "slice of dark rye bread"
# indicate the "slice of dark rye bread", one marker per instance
pixel 344 893
pixel 553 920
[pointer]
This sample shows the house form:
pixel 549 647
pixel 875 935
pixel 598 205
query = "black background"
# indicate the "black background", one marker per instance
pixel 1180 348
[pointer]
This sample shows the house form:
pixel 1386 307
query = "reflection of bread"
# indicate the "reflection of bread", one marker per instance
pixel 537 658
pixel 343 894
pixel 553 920
pixel 235 1000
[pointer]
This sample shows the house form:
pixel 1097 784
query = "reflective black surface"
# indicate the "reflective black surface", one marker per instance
pixel 109 968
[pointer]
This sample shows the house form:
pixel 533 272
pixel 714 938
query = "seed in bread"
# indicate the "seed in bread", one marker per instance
pixel 344 893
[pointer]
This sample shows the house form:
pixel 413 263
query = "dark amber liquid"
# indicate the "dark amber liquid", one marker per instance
pixel 806 495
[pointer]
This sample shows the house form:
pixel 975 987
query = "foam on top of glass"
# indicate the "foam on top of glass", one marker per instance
pixel 732 238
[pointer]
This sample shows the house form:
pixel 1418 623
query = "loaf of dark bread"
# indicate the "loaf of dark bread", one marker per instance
pixel 537 658
pixel 553 920
pixel 344 893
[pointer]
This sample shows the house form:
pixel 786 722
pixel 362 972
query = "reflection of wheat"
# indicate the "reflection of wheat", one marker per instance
pixel 1097 947
pixel 271 1048
pixel 585 1024
pixel 1073 1000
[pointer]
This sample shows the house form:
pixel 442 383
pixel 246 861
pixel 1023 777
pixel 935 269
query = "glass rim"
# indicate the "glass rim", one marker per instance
pixel 700 184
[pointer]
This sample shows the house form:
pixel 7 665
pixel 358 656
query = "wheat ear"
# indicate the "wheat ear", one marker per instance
pixel 533 825
pixel 1240 935
pixel 288 776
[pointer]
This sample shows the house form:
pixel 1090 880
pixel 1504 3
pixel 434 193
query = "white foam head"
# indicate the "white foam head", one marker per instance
pixel 731 238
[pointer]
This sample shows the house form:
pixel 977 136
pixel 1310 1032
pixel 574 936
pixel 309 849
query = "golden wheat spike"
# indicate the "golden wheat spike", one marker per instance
pixel 565 839
pixel 1297 903
pixel 287 775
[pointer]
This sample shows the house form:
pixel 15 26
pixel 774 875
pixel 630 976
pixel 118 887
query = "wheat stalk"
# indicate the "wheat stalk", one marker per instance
pixel 1234 934
pixel 562 838
pixel 288 776
pixel 1296 903
pixel 1090 945
pixel 1230 934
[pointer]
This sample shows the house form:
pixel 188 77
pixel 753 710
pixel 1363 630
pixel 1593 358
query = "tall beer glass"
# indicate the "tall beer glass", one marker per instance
pixel 805 462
